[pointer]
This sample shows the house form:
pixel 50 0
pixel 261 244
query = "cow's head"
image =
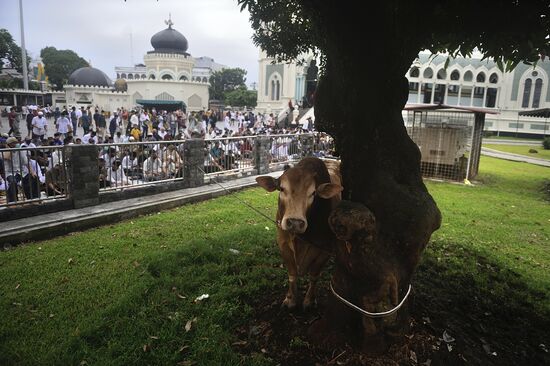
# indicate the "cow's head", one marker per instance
pixel 298 189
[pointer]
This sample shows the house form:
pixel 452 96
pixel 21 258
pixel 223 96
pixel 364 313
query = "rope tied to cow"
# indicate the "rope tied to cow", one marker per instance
pixel 368 313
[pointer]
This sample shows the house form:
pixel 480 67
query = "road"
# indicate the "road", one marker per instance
pixel 514 157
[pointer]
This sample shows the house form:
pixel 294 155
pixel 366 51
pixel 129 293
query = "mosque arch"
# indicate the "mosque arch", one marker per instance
pixel 194 101
pixel 493 79
pixel 480 78
pixel 167 77
pixel 123 76
pixel 204 79
pixel 428 73
pixel 414 72
pixel 455 75
pixel 143 76
pixel 441 74
pixel 130 76
pixel 468 75
pixel 152 77
pixel 183 78
pixel 275 85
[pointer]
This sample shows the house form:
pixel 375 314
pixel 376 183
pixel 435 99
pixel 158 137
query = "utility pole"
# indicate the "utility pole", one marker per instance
pixel 23 50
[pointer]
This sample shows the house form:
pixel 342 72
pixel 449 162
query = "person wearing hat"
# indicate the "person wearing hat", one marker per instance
pixel 39 126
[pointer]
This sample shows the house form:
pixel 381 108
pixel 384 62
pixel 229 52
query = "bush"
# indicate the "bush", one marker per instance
pixel 546 143
pixel 533 151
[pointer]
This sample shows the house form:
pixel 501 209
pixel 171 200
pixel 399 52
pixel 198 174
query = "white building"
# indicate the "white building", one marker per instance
pixel 467 82
pixel 165 80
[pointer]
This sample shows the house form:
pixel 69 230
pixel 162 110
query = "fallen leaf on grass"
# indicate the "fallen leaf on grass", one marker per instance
pixel 51 315
pixel 189 324
pixel 267 228
pixel 234 251
pixel 70 261
pixel 181 296
pixel 183 348
pixel 17 304
pixel 240 343
pixel 153 337
pixel 146 348
pixel 136 264
pixel 16 287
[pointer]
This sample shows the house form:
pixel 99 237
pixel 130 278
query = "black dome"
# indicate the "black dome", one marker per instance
pixel 89 76
pixel 169 41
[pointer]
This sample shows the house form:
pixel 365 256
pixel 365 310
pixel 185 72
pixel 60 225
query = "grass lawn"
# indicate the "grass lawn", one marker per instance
pixel 521 150
pixel 125 294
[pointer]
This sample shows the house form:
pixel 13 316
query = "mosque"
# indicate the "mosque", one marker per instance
pixel 169 78
pixel 464 82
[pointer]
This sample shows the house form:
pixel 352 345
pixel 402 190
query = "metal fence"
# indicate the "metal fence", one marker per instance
pixel 32 174
pixel 228 156
pixel 138 164
pixel 444 140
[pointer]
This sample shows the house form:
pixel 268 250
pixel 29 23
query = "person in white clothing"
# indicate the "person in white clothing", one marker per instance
pixel 152 167
pixel 63 125
pixel 39 126
pixel 116 175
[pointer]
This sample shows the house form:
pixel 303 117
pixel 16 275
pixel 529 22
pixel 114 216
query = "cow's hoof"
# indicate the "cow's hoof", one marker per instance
pixel 289 303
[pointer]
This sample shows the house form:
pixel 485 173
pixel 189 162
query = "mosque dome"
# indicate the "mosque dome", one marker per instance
pixel 89 76
pixel 121 85
pixel 169 41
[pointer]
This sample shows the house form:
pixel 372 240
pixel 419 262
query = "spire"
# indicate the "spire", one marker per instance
pixel 169 22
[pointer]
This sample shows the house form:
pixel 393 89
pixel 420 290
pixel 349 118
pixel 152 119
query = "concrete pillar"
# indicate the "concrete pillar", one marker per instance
pixel 475 153
pixel 262 154
pixel 83 174
pixel 307 141
pixel 194 162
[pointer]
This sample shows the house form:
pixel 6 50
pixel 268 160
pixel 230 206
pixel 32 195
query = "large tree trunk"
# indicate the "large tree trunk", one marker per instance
pixel 385 232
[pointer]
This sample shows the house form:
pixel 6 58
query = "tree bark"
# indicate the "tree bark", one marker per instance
pixel 392 217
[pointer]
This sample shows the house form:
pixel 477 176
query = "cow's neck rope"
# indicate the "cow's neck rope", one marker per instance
pixel 367 313
pixel 350 304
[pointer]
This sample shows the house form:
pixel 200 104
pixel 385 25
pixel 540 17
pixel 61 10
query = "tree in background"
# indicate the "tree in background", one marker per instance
pixel 10 52
pixel 59 64
pixel 365 53
pixel 224 81
pixel 241 97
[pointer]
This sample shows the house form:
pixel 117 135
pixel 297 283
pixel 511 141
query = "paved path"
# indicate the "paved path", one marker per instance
pixel 514 157
pixel 60 223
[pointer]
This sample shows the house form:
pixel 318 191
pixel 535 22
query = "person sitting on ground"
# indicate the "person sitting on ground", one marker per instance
pixel 89 138
pixel 104 181
pixel 116 175
pixel 172 163
pixel 152 167
pixel 55 180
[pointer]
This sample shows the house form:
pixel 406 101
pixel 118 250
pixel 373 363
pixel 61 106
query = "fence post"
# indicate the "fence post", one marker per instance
pixel 83 174
pixel 193 160
pixel 262 154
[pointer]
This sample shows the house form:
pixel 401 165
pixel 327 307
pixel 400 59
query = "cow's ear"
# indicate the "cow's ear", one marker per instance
pixel 268 183
pixel 329 190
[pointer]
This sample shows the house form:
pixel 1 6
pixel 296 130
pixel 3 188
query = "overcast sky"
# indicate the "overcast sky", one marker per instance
pixel 99 30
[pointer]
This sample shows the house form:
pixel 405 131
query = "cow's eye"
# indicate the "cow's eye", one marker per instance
pixel 281 189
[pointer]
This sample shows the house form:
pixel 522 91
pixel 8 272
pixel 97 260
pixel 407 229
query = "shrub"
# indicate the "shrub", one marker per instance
pixel 546 143
pixel 533 151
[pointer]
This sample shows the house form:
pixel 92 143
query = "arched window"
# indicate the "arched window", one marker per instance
pixel 166 77
pixel 468 76
pixel 278 90
pixel 536 94
pixel 204 79
pixel 183 77
pixel 455 75
pixel 428 73
pixel 152 77
pixel 480 77
pixel 143 76
pixel 123 76
pixel 526 93
pixel 442 74
pixel 130 76
pixel 493 79
pixel 414 72
pixel 118 75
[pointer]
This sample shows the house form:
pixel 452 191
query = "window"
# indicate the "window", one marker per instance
pixel 123 76
pixel 491 100
pixel 536 94
pixel 130 76
pixel 480 77
pixel 143 76
pixel 415 72
pixel 428 73
pixel 413 93
pixel 183 77
pixel 493 79
pixel 152 77
pixel 526 93
pixel 166 77
pixel 515 125
pixel 452 94
pixel 426 93
pixel 442 74
pixel 204 79
pixel 537 127
pixel 465 95
pixel 478 96
pixel 455 75
pixel 468 76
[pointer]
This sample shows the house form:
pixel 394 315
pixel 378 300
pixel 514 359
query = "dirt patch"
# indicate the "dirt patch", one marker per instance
pixel 450 325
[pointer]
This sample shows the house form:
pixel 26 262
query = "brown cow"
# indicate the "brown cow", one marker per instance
pixel 307 194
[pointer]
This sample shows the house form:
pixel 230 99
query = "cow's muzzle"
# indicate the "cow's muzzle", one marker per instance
pixel 294 225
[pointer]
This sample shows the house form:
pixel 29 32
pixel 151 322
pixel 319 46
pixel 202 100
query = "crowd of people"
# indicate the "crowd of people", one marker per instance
pixel 39 169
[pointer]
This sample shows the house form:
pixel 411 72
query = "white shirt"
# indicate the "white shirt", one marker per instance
pixel 39 125
pixel 117 176
pixel 150 166
pixel 87 137
pixel 63 125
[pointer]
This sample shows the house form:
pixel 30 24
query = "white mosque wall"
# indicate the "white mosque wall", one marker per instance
pixel 193 94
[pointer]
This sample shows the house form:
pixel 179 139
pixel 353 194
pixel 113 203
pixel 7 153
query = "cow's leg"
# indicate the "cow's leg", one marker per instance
pixel 287 254
pixel 314 272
